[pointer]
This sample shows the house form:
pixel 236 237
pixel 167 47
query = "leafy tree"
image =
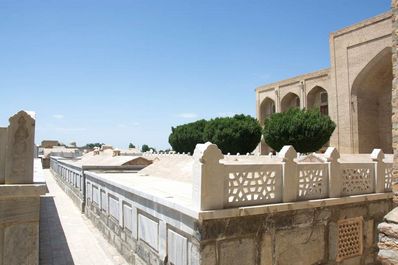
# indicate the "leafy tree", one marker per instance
pixel 131 145
pixel 237 134
pixel 184 138
pixel 306 130
pixel 147 148
pixel 92 145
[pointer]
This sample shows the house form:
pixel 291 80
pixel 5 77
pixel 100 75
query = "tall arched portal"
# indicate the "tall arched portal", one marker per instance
pixel 318 98
pixel 290 100
pixel 371 105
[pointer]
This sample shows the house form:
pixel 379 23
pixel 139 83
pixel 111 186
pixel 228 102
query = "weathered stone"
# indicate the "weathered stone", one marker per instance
pixel 237 252
pixel 22 244
pixel 379 208
pixel 392 217
pixel 388 256
pixel 266 250
pixel 300 246
pixel 350 212
pixel 333 237
pixel 352 261
pixel 369 233
pixel 19 163
pixel 208 254
pixel 389 229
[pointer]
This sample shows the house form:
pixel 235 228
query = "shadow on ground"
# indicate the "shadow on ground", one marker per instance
pixel 54 249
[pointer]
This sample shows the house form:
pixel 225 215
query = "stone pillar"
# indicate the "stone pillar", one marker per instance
pixel 303 98
pixel 277 100
pixel 208 177
pixel 335 180
pixel 289 173
pixel 377 156
pixel 20 149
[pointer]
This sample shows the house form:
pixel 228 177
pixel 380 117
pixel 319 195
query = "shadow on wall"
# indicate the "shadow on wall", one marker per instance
pixel 54 248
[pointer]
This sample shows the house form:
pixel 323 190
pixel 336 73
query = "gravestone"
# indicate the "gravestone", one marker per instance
pixel 20 148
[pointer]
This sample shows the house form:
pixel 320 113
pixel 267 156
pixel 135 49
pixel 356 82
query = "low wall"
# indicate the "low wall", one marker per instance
pixel 288 209
pixel 345 233
pixel 71 180
pixel 142 230
pixel 19 221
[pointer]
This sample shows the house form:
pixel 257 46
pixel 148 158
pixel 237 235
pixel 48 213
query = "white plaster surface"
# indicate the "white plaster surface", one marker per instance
pixel 148 231
pixel 113 207
pixel 177 248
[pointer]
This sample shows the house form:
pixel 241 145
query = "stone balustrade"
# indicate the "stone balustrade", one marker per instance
pixel 220 184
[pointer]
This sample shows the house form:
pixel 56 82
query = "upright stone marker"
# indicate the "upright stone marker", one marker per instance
pixel 19 161
pixel 3 154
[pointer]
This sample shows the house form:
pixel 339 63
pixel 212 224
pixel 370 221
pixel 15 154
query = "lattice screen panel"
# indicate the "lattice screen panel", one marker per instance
pixel 388 178
pixel 350 238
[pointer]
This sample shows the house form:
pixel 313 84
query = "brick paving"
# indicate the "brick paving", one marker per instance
pixel 67 237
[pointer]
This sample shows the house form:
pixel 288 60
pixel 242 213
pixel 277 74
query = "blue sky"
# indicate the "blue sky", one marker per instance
pixel 126 71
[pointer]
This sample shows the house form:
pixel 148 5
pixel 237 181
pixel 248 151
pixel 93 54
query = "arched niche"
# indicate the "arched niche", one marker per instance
pixel 290 100
pixel 318 98
pixel 371 105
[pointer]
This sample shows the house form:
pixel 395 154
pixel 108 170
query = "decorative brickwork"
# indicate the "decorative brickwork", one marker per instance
pixel 350 237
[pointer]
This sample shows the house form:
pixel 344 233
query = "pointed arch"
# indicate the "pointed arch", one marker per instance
pixel 290 100
pixel 267 108
pixel 371 105
pixel 318 98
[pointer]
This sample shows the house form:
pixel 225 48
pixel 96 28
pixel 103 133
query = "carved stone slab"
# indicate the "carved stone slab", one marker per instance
pixel 19 161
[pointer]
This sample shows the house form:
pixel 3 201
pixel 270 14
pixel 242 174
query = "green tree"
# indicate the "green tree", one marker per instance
pixel 131 145
pixel 306 130
pixel 92 145
pixel 237 134
pixel 146 148
pixel 184 138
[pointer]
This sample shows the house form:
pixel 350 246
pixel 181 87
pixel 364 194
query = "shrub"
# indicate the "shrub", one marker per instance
pixel 184 138
pixel 238 134
pixel 306 130
pixel 147 148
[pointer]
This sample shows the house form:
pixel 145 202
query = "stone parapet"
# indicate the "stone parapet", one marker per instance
pixel 19 222
pixel 220 183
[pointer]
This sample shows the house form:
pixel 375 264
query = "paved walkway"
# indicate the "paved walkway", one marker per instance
pixel 67 237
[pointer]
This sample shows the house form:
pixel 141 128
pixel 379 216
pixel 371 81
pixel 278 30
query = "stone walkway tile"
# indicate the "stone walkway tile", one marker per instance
pixel 67 237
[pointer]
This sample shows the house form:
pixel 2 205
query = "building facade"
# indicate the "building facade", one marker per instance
pixel 355 91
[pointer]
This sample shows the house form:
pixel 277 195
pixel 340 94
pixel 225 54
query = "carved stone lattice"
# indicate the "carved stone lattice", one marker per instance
pixel 349 243
pixel 357 181
pixel 388 178
pixel 252 186
pixel 312 183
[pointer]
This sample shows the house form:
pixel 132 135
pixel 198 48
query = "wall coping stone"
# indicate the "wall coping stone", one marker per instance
pixel 22 190
pixel 283 207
